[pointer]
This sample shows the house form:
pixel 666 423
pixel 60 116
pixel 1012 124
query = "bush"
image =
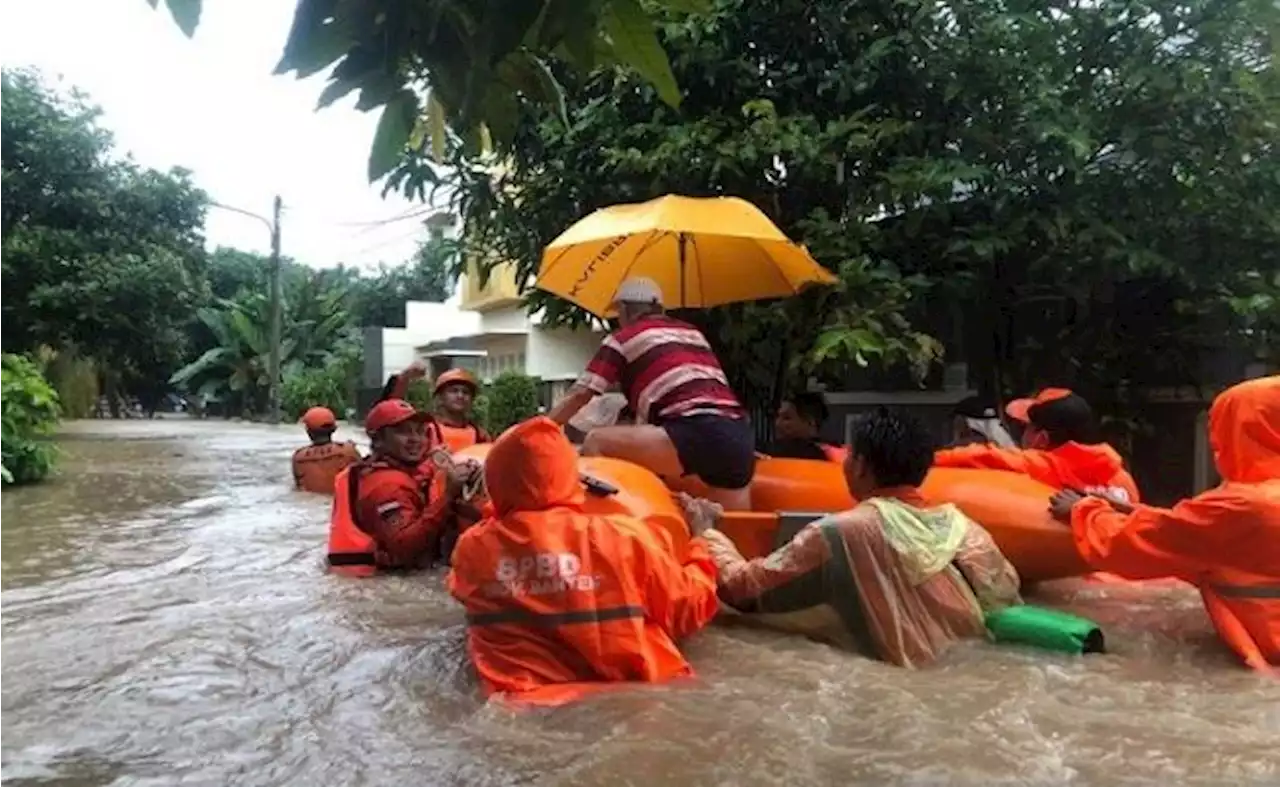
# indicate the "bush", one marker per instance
pixel 316 387
pixel 30 414
pixel 75 379
pixel 513 397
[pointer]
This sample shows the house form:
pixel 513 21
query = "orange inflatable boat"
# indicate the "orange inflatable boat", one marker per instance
pixel 787 494
pixel 618 487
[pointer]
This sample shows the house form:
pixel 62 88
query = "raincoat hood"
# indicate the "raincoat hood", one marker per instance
pixel 926 540
pixel 533 467
pixel 1244 429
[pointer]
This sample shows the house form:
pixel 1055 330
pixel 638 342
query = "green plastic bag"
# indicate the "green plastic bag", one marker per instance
pixel 1046 628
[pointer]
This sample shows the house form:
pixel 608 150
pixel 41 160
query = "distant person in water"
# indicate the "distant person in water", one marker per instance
pixel 977 422
pixel 316 465
pixel 688 419
pixel 1060 448
pixel 893 578
pixel 796 428
pixel 451 424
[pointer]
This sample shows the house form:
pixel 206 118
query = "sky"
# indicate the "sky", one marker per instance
pixel 210 104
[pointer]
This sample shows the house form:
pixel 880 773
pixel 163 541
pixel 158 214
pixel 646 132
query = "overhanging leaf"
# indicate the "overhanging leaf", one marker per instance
pixel 635 43
pixel 392 134
pixel 436 127
pixel 186 13
pixel 316 39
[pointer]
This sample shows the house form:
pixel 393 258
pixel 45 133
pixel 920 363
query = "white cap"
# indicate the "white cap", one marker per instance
pixel 638 289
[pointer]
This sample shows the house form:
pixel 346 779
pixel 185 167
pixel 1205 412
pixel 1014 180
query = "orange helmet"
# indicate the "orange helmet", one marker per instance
pixel 456 376
pixel 318 418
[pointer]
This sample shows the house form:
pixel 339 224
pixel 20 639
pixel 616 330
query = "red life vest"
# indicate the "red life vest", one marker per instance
pixel 351 549
pixel 455 438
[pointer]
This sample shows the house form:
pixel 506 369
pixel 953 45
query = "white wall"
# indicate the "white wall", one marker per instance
pixel 397 351
pixel 560 354
pixel 424 323
pixel 507 320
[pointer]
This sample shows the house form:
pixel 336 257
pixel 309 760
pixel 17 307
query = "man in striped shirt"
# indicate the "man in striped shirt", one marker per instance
pixel 688 420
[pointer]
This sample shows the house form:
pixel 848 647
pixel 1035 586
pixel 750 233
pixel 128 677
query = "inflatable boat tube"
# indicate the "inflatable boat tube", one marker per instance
pixel 1046 628
pixel 615 486
pixel 1012 507
pixel 786 494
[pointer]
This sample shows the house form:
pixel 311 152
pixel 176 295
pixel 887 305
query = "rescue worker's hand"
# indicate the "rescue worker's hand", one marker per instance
pixel 1123 506
pixel 1060 504
pixel 701 514
pixel 460 475
pixel 416 370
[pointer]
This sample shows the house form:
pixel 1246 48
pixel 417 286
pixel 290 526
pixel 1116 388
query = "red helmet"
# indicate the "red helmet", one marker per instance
pixel 318 418
pixel 455 376
pixel 390 412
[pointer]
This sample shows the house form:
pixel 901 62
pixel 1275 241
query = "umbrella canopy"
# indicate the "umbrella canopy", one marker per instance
pixel 701 252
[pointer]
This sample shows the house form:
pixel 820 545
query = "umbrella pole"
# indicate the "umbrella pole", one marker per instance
pixel 683 298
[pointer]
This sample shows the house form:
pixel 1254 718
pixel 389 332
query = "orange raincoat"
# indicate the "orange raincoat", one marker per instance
pixel 1225 541
pixel 559 601
pixel 1089 468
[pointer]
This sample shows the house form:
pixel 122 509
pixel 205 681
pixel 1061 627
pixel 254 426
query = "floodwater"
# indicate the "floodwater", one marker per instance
pixel 166 620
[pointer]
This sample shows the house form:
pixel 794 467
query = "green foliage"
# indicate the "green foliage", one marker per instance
pixel 512 397
pixel 97 253
pixel 378 300
pixel 316 387
pixel 75 379
pixel 316 333
pixel 30 414
pixel 420 396
pixel 1090 192
pixel 432 63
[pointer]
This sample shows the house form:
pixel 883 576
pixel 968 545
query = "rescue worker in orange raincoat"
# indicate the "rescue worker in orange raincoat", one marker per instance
pixel 384 516
pixel 316 465
pixel 1059 448
pixel 560 602
pixel 1225 541
pixel 455 391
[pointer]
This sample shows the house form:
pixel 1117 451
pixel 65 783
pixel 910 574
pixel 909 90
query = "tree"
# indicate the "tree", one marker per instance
pixel 442 70
pixel 427 276
pixel 98 254
pixel 1100 182
pixel 233 364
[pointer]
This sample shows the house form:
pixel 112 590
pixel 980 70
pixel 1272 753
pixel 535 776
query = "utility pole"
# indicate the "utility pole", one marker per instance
pixel 273 389
pixel 273 359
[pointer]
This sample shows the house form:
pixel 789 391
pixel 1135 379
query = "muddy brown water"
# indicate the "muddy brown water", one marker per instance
pixel 166 620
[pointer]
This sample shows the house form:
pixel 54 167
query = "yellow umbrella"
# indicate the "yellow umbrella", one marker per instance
pixel 701 252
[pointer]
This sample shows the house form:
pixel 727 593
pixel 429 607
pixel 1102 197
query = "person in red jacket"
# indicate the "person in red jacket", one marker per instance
pixel 1059 448
pixel 560 602
pixel 384 516
pixel 455 390
pixel 1225 541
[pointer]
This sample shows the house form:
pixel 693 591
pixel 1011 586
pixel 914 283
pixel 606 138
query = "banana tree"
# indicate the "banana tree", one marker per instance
pixel 235 370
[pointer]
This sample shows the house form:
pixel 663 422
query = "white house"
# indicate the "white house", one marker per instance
pixel 504 337
pixel 482 328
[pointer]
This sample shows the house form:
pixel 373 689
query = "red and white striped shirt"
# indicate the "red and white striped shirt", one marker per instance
pixel 667 370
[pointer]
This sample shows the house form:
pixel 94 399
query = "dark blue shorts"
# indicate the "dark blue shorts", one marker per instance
pixel 719 450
